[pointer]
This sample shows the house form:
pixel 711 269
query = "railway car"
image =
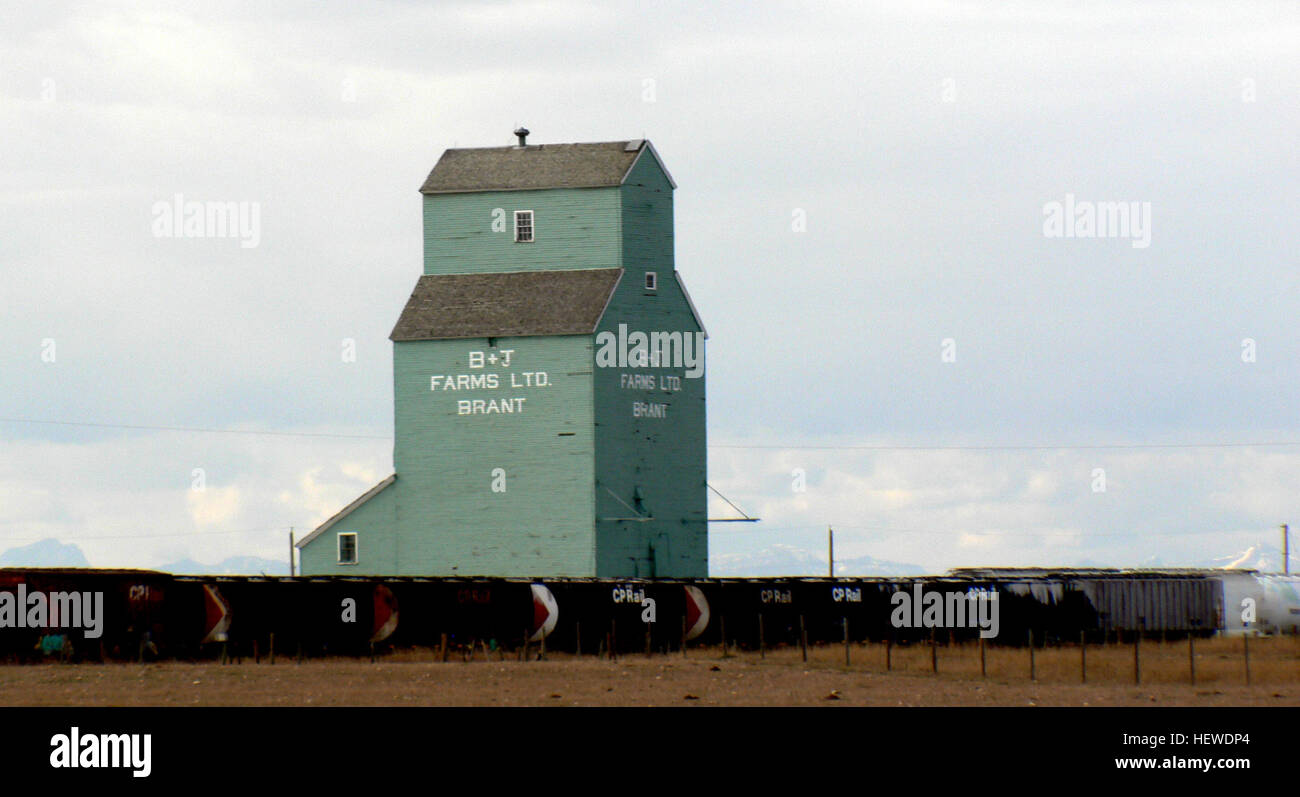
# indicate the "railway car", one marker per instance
pixel 80 613
pixel 1261 603
pixel 625 615
pixel 141 614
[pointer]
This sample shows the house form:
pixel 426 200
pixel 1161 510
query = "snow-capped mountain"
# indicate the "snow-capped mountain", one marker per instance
pixel 787 560
pixel 1260 556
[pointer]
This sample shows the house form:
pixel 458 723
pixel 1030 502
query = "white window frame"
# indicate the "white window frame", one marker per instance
pixel 651 281
pixel 356 547
pixel 532 227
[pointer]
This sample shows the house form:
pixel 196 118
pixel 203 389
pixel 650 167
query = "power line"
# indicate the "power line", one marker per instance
pixel 723 446
pixel 1083 535
pixel 719 446
pixel 151 536
pixel 1057 447
pixel 143 427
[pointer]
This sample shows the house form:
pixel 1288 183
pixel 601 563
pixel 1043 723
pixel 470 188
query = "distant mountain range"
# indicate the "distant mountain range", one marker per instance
pixel 775 560
pixel 1260 556
pixel 786 560
pixel 46 553
pixel 230 566
pixel 52 553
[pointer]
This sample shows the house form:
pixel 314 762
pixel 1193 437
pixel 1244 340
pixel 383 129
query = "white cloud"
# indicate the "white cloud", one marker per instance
pixel 128 500
pixel 214 505
pixel 923 223
pixel 970 508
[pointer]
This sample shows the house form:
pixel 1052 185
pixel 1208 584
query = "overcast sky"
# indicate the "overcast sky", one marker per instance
pixel 861 217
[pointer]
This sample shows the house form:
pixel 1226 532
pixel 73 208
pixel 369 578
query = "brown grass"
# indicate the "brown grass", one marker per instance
pixel 1273 660
pixel 704 677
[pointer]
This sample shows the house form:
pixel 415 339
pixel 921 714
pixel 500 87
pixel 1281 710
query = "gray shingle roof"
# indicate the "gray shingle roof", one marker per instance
pixel 517 303
pixel 534 167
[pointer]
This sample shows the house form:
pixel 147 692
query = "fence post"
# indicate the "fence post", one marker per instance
pixel 271 648
pixel 1083 657
pixel 803 639
pixel 845 622
pixel 1137 651
pixel 762 643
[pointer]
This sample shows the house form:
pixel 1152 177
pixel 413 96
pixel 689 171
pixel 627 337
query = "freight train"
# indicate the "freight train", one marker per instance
pixel 145 615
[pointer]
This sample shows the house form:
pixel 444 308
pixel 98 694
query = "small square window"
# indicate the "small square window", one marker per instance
pixel 651 281
pixel 523 226
pixel 348 548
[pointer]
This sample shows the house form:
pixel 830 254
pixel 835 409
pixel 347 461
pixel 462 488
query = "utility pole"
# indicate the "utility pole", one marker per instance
pixel 1286 549
pixel 291 551
pixel 830 551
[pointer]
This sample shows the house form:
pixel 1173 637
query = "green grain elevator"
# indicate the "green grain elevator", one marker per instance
pixel 548 380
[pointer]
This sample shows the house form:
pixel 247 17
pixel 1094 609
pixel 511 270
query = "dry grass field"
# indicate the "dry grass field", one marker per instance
pixel 704 677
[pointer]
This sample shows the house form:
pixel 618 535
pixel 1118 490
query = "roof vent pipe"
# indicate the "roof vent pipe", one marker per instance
pixel 522 132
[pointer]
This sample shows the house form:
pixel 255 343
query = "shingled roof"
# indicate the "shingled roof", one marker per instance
pixel 535 167
pixel 517 303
